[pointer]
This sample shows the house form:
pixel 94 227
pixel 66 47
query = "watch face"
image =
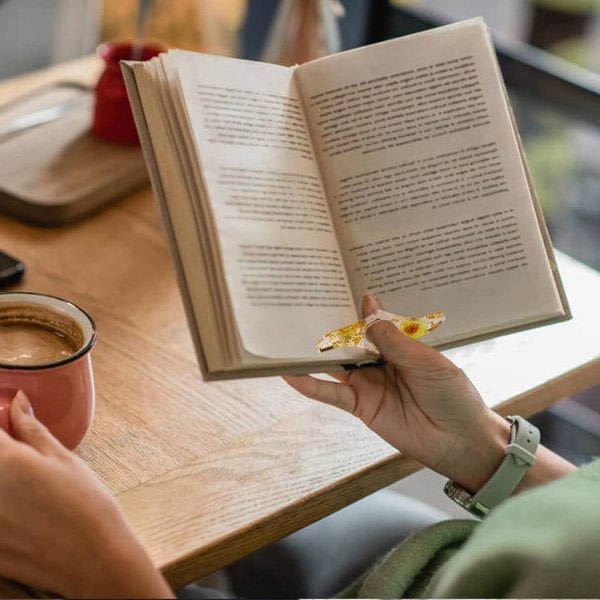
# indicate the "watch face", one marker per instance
pixel 458 494
pixel 465 499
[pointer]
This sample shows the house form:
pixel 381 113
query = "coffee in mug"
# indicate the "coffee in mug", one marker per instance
pixel 45 345
pixel 31 334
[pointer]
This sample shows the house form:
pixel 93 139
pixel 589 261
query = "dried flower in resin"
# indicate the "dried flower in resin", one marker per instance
pixel 354 335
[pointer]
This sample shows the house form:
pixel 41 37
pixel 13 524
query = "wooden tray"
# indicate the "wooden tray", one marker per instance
pixel 58 172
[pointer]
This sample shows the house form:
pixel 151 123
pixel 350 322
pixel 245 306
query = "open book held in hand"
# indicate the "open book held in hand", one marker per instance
pixel 288 193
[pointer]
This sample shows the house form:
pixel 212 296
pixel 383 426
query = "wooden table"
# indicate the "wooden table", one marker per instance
pixel 210 472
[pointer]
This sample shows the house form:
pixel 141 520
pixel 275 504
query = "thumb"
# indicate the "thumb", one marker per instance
pixel 26 428
pixel 397 348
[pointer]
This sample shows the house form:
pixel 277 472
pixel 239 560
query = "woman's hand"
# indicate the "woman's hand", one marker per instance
pixel 421 403
pixel 60 528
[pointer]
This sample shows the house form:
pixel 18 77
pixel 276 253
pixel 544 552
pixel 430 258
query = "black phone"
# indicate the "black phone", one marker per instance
pixel 11 269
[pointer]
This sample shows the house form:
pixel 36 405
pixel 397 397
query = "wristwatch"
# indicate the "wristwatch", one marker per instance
pixel 519 456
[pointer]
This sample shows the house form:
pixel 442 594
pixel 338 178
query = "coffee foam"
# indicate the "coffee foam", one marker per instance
pixel 31 335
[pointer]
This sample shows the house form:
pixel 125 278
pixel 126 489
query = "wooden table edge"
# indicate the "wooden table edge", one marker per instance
pixel 327 500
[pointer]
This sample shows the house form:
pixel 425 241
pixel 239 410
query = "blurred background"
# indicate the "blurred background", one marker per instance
pixel 35 34
pixel 549 53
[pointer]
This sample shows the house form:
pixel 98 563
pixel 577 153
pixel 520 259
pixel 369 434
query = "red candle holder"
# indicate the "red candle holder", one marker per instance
pixel 113 119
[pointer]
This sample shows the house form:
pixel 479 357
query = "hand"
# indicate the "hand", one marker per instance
pixel 60 529
pixel 421 403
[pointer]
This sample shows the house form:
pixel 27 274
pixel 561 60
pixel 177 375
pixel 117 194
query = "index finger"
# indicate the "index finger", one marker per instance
pixel 328 392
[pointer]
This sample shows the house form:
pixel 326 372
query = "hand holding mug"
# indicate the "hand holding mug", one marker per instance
pixel 62 530
pixel 45 345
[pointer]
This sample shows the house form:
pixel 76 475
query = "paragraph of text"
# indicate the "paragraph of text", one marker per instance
pixel 291 200
pixel 448 254
pixel 409 106
pixel 439 181
pixel 293 276
pixel 248 118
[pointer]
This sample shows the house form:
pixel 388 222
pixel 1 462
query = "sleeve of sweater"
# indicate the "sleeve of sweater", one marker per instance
pixel 544 543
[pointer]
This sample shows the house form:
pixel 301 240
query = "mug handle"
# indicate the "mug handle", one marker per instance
pixel 6 397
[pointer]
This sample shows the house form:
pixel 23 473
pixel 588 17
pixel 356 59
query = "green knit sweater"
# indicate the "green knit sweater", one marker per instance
pixel 544 543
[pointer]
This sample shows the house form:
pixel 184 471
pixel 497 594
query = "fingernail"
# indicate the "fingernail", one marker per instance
pixel 23 403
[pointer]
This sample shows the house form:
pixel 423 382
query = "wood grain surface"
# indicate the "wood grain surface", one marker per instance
pixel 210 472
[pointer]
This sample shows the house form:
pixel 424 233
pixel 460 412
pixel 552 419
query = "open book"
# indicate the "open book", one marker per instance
pixel 288 193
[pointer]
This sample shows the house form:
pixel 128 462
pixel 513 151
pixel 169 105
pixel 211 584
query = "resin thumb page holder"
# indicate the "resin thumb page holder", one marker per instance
pixel 354 336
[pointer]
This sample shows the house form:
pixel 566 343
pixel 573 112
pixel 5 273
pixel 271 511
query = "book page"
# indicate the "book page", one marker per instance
pixel 168 171
pixel 426 183
pixel 282 263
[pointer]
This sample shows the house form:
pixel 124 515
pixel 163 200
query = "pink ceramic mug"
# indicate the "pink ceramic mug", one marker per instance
pixel 61 391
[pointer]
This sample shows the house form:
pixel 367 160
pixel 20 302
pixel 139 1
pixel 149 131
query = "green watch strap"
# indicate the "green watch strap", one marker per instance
pixel 519 456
